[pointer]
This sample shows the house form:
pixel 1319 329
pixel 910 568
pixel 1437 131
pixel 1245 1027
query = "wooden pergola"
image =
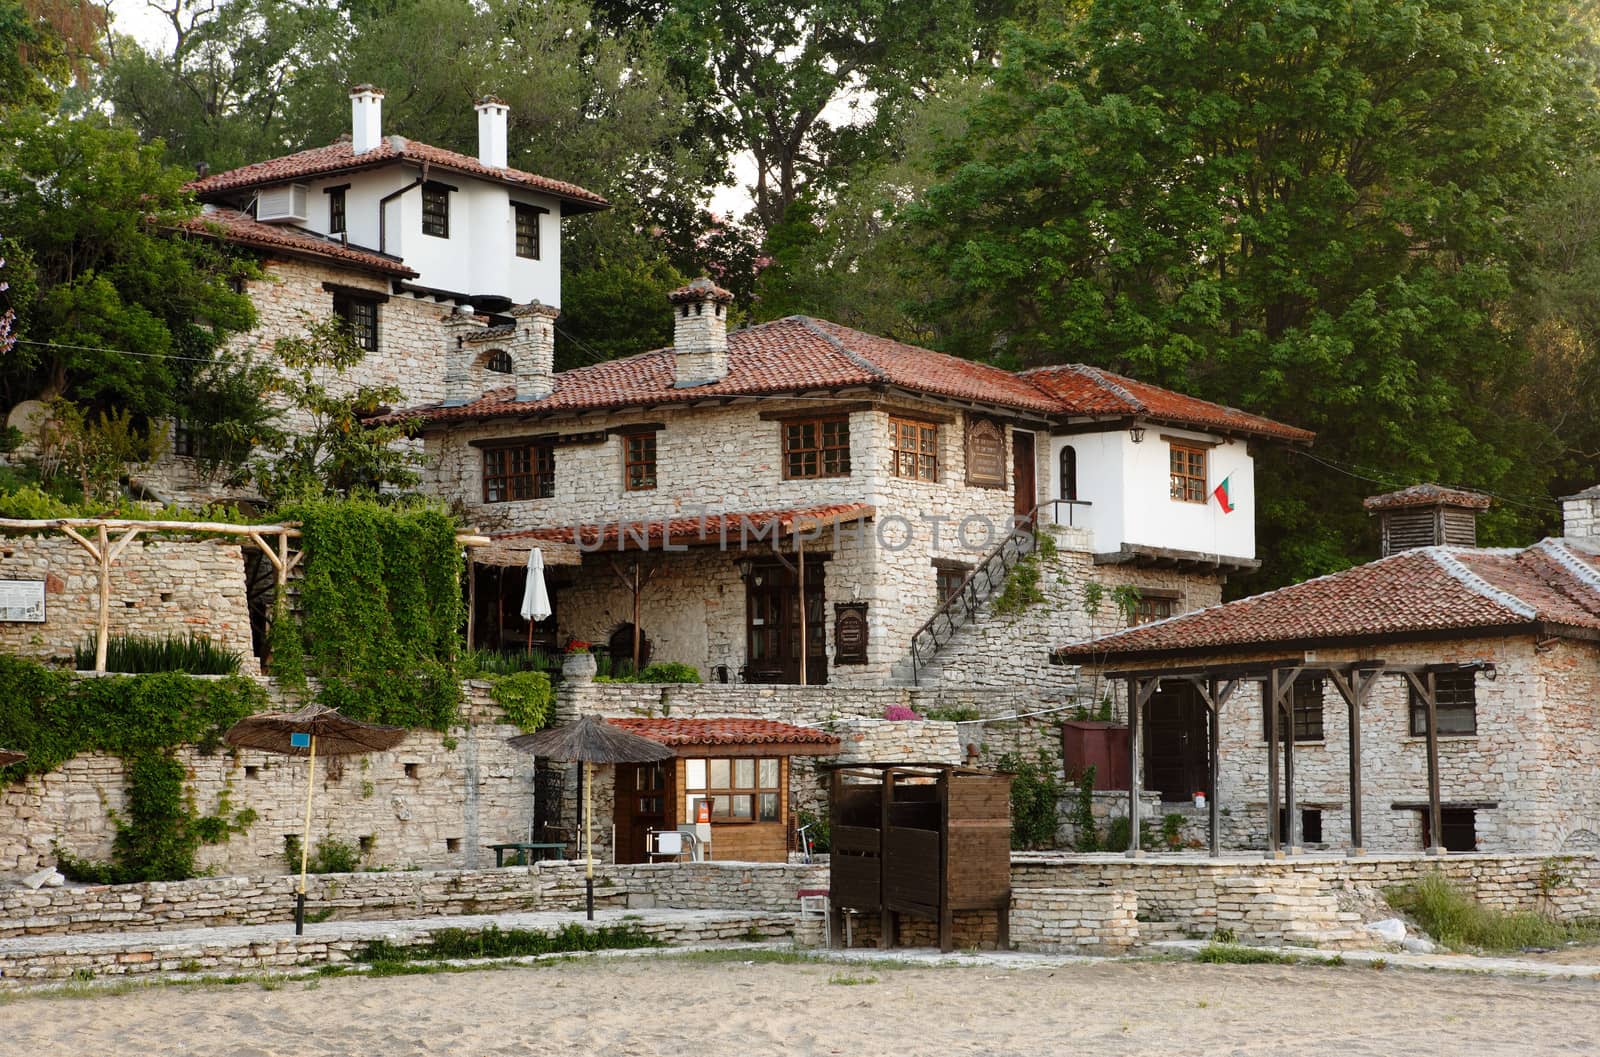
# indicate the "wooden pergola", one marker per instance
pixel 104 539
pixel 1215 684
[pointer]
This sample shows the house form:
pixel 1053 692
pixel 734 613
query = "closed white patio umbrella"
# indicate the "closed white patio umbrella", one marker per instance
pixel 535 597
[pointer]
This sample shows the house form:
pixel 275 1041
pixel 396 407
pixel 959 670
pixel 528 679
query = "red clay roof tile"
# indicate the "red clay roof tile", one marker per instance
pixel 234 226
pixel 338 157
pixel 1085 390
pixel 677 732
pixel 1424 591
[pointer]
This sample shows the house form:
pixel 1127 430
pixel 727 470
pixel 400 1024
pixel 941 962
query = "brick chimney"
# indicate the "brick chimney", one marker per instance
pixel 1580 515
pixel 492 131
pixel 533 350
pixel 699 333
pixel 1427 515
pixel 366 118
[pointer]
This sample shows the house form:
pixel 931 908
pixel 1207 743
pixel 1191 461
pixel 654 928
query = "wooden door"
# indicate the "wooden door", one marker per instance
pixel 643 794
pixel 772 613
pixel 1024 492
pixel 1177 758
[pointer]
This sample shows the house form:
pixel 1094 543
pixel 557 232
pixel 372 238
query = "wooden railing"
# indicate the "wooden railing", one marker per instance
pixel 961 607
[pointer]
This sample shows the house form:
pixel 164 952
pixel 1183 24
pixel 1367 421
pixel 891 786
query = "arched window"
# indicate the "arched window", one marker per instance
pixel 499 362
pixel 1069 472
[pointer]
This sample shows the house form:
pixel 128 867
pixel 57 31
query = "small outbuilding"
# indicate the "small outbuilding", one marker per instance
pixel 925 839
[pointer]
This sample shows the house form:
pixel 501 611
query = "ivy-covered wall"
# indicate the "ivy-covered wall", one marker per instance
pixel 433 801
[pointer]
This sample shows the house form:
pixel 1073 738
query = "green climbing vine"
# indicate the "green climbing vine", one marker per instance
pixel 525 698
pixel 53 716
pixel 380 612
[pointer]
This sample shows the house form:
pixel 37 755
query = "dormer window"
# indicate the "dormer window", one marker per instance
pixel 499 362
pixel 527 219
pixel 436 210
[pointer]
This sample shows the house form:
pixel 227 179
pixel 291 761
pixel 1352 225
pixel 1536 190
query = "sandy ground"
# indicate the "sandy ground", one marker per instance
pixel 663 1005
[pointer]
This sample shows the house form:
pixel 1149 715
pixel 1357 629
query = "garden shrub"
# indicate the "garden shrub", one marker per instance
pixel 525 697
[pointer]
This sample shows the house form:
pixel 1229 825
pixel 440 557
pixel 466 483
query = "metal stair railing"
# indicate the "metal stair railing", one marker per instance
pixel 977 587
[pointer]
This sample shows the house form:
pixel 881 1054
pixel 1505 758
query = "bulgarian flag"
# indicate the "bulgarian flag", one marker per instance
pixel 1224 497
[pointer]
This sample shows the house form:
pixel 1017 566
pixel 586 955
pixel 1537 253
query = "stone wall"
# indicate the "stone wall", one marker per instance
pixel 412 338
pixel 157 588
pixel 433 801
pixel 730 460
pixel 1318 900
pixel 261 899
pixel 1580 515
pixel 1074 919
pixel 1538 733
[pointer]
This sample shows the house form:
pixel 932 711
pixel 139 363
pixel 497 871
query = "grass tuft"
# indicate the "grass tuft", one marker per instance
pixel 1455 919
pixel 1232 954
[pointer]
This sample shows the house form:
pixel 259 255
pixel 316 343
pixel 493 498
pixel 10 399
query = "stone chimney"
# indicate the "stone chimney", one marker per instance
pixel 1580 515
pixel 463 376
pixel 492 131
pixel 699 333
pixel 366 118
pixel 1427 515
pixel 533 350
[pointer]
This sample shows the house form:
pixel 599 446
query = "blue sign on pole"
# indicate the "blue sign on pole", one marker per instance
pixel 299 740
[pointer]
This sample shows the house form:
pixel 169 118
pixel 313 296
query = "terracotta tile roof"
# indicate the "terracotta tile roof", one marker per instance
pixel 1084 390
pixel 338 157
pixel 1426 495
pixel 1430 591
pixel 755 528
pixel 783 356
pixel 234 226
pixel 677 732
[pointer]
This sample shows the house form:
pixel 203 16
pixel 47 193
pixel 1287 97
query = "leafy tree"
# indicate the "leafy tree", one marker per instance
pixel 52 41
pixel 324 449
pixel 114 308
pixel 1305 209
pixel 95 450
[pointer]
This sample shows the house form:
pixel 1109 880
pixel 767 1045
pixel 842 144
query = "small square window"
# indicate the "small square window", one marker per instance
pixel 1455 698
pixel 1306 702
pixel 452 844
pixel 360 315
pixel 1188 474
pixel 411 770
pixel 819 448
pixel 639 462
pixel 435 211
pixel 914 449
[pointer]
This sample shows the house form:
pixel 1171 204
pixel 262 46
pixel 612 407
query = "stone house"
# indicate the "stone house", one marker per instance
pixel 1445 696
pixel 705 489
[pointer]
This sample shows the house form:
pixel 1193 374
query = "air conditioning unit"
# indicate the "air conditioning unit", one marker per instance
pixel 285 202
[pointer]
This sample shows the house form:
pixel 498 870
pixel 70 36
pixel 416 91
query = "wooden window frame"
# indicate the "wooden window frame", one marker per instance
pixel 347 306
pixel 1307 711
pixel 436 211
pixel 639 451
pixel 951 573
pixel 336 213
pixel 499 362
pixel 920 462
pixel 528 248
pixel 1143 611
pixel 1448 699
pixel 517 472
pixel 733 789
pixel 822 453
pixel 1188 485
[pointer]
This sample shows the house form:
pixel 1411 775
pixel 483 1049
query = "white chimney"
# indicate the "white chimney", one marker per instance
pixel 699 333
pixel 492 131
pixel 366 118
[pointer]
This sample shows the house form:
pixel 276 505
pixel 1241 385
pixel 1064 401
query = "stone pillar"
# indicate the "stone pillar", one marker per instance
pixel 533 350
pixel 1580 515
pixel 463 381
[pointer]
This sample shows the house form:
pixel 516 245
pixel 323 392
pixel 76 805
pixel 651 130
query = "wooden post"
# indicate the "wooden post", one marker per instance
pixel 588 839
pixel 1360 687
pixel 472 601
pixel 888 920
pixel 104 623
pixel 637 586
pixel 1138 696
pixel 1291 814
pixel 1435 820
pixel 1271 690
pixel 305 841
pixel 1214 741
pixel 805 645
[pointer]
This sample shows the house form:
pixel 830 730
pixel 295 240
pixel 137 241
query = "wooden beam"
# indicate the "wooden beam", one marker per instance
pixel 104 622
pixel 1215 695
pixel 1426 685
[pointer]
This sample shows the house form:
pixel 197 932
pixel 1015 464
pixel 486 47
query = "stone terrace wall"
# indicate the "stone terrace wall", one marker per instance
pixel 1053 919
pixel 258 900
pixel 434 800
pixel 157 588
pixel 1310 900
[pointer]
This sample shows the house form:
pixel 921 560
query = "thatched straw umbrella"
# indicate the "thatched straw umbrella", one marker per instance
pixel 590 740
pixel 304 733
pixel 9 757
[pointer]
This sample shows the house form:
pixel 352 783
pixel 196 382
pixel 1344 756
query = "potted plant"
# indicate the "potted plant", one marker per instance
pixel 578 663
